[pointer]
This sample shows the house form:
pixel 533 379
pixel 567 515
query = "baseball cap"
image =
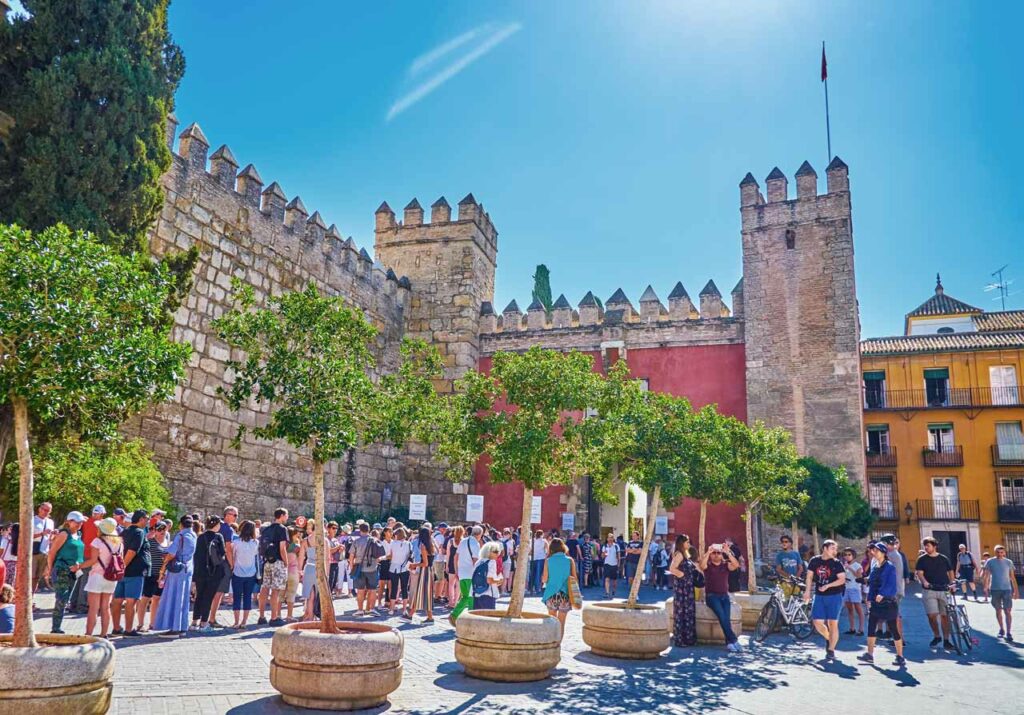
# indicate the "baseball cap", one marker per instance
pixel 887 539
pixel 881 547
pixel 376 525
pixel 120 512
pixel 99 509
pixel 443 525
pixel 76 516
pixel 158 512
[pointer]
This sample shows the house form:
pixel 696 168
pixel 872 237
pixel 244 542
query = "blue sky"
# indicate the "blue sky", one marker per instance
pixel 607 139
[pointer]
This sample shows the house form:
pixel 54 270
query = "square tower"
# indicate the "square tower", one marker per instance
pixel 802 330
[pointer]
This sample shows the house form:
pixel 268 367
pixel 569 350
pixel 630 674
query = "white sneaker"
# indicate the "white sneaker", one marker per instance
pixel 732 647
pixel 358 613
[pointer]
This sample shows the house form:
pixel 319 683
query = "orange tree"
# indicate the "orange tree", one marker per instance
pixel 520 415
pixel 309 358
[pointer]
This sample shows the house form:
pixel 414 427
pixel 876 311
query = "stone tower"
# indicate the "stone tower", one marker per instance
pixel 802 329
pixel 450 264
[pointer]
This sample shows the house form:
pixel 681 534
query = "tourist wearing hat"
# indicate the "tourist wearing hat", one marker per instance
pixel 66 551
pixel 42 531
pixel 883 588
pixel 137 567
pixel 105 547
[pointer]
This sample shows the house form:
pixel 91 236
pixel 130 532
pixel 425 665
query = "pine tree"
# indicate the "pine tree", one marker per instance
pixel 89 84
pixel 542 287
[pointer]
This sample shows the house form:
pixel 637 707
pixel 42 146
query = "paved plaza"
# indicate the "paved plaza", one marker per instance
pixel 227 672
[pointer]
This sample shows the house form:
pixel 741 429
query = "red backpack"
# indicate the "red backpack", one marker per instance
pixel 114 568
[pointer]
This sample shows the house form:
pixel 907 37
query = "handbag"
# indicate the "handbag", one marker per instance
pixel 176 565
pixel 575 595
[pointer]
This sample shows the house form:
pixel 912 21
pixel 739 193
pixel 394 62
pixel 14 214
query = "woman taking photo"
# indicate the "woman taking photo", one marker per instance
pixel 557 569
pixel 66 550
pixel 684 607
pixel 159 540
pixel 105 547
pixel 173 612
pixel 882 591
pixel 243 572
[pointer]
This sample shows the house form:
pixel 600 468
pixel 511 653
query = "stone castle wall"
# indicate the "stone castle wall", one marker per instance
pixel 250 232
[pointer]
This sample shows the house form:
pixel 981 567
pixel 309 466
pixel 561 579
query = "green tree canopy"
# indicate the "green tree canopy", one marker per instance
pixel 89 86
pixel 310 359
pixel 83 340
pixel 833 500
pixel 522 416
pixel 709 468
pixel 542 287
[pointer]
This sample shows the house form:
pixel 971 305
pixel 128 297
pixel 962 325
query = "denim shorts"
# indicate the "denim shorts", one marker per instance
pixel 826 608
pixel 1002 600
pixel 129 587
pixel 366 581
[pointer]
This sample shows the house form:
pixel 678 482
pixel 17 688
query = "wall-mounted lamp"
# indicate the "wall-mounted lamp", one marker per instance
pixel 909 511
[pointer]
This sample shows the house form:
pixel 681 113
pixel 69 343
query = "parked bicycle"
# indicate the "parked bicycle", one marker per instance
pixel 782 611
pixel 959 626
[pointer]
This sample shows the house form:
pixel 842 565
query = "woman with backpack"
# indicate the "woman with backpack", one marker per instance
pixel 208 569
pixel 106 568
pixel 486 578
pixel 172 614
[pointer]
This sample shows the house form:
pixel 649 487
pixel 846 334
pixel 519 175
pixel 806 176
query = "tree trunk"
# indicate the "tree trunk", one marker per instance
pixel 24 637
pixel 652 513
pixel 515 601
pixel 748 516
pixel 328 623
pixel 6 434
pixel 796 541
pixel 817 546
pixel 700 529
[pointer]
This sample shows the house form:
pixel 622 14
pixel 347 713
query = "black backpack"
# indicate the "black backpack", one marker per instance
pixel 215 556
pixel 269 548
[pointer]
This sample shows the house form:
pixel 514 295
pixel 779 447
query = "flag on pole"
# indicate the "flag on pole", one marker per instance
pixel 824 64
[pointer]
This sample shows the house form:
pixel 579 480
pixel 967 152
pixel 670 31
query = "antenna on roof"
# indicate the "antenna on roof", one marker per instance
pixel 1003 286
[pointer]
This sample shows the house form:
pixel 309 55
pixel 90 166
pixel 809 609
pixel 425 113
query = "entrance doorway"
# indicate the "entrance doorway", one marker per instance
pixel 949 543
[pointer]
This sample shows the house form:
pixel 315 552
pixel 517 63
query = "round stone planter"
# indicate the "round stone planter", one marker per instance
pixel 492 646
pixel 708 630
pixel 357 668
pixel 750 607
pixel 614 631
pixel 69 675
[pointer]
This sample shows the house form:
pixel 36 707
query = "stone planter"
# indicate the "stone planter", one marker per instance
pixel 612 630
pixel 492 646
pixel 750 605
pixel 708 630
pixel 357 668
pixel 69 675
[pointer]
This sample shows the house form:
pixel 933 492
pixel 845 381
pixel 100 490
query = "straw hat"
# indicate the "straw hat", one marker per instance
pixel 107 527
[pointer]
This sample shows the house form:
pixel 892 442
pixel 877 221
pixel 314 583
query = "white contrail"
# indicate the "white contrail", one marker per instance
pixel 499 35
pixel 428 58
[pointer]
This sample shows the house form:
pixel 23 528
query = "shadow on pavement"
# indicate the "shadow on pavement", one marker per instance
pixel 274 704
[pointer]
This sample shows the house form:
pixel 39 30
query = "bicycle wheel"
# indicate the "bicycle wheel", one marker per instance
pixel 965 627
pixel 956 635
pixel 766 621
pixel 803 629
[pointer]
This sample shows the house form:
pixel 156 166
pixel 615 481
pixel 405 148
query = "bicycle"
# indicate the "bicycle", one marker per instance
pixel 959 625
pixel 793 613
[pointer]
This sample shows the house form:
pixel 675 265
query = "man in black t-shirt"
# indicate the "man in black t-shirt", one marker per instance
pixel 935 574
pixel 633 549
pixel 136 568
pixel 273 550
pixel 827 577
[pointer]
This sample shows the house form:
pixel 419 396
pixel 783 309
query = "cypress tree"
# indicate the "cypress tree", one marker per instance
pixel 89 84
pixel 542 287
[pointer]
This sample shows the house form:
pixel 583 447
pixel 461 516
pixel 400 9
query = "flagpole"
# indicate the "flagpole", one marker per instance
pixel 828 126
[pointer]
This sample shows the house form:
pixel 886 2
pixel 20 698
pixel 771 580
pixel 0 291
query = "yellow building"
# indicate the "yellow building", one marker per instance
pixel 943 414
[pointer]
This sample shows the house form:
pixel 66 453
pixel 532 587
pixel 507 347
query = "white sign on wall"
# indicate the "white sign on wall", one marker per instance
pixel 474 508
pixel 535 511
pixel 418 506
pixel 568 521
pixel 661 525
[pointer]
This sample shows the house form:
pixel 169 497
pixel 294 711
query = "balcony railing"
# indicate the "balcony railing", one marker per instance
pixel 884 457
pixel 1008 455
pixel 950 397
pixel 951 455
pixel 1011 513
pixel 950 509
pixel 885 512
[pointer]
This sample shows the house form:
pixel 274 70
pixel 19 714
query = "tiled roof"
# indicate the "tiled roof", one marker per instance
pixel 999 320
pixel 949 342
pixel 942 304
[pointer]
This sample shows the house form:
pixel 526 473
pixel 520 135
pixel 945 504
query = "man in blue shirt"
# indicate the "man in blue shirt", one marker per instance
pixel 1001 588
pixel 788 562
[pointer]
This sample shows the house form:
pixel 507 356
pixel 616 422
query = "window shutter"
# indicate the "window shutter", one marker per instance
pixel 874 375
pixel 939 373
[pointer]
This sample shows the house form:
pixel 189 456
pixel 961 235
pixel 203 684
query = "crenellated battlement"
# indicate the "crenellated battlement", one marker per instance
pixel 618 310
pixel 412 226
pixel 268 211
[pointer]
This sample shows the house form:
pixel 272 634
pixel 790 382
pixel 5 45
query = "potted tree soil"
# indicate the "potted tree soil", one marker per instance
pixel 307 360
pixel 650 437
pixel 520 417
pixel 83 345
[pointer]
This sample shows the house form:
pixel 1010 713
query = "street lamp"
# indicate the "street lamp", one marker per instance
pixel 909 511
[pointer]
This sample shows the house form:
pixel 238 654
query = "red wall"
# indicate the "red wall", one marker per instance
pixel 704 374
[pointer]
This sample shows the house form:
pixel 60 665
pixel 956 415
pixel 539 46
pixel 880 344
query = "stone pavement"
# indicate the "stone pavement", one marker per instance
pixel 227 672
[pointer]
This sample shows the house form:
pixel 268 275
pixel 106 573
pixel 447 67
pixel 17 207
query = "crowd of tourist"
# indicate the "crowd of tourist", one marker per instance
pixel 130 573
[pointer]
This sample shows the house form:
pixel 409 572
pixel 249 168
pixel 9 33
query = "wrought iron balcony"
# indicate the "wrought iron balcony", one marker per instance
pixel 1011 513
pixel 1008 455
pixel 885 512
pixel 946 456
pixel 884 457
pixel 949 509
pixel 1012 396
